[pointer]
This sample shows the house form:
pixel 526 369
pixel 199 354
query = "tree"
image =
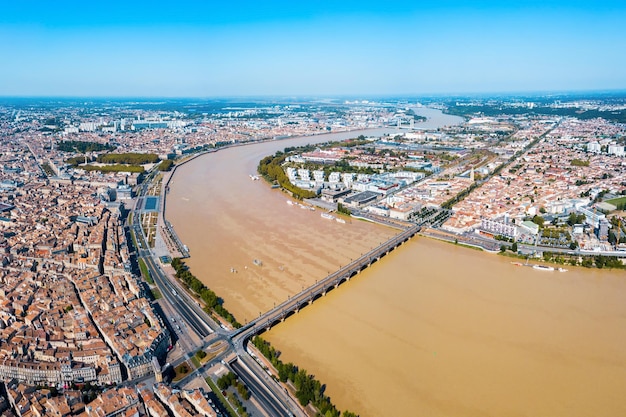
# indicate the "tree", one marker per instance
pixel 166 165
pixel 514 247
pixel 575 218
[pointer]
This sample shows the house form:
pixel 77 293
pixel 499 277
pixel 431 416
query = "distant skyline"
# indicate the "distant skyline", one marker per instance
pixel 314 48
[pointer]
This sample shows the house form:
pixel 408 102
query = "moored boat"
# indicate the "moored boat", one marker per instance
pixel 543 268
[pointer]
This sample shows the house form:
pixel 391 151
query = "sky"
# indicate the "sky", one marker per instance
pixel 320 48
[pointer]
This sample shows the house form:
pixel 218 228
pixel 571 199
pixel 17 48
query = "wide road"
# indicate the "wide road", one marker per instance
pixel 179 300
pixel 259 389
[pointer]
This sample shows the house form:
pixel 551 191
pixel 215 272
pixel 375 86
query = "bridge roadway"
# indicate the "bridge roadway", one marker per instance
pixel 294 304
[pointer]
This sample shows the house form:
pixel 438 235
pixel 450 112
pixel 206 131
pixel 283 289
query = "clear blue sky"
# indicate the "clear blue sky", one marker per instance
pixel 342 47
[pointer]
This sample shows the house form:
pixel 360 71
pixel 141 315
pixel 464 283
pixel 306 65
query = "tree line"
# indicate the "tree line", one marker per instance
pixel 130 158
pixel 166 165
pixel 308 389
pixel 82 146
pixel 114 168
pixel 212 301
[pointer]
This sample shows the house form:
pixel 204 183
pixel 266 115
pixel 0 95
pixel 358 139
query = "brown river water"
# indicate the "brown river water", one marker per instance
pixel 432 330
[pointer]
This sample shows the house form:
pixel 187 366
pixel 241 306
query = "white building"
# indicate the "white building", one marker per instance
pixel 594 147
pixel 616 150
pixel 292 174
pixel 304 174
pixel 499 227
pixel 348 179
pixel 318 175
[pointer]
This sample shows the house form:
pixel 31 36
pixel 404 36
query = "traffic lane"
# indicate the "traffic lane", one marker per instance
pixel 191 306
pixel 266 400
pixel 180 306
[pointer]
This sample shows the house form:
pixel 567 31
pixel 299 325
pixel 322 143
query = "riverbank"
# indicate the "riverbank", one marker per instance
pixel 432 329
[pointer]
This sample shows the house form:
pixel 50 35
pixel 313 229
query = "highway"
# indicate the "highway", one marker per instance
pixel 179 300
pixel 259 388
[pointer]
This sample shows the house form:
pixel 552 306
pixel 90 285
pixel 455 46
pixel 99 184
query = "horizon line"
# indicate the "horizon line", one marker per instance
pixel 324 96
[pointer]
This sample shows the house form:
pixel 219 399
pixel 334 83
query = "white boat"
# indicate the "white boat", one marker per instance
pixel 340 220
pixel 290 202
pixel 562 270
pixel 328 216
pixel 257 262
pixel 543 268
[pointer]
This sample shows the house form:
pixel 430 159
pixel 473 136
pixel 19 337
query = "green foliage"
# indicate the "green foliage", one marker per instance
pixel 308 389
pixel 77 160
pixel 113 168
pixel 538 220
pixel 47 169
pixel 145 272
pixel 460 196
pixel 607 262
pixel 220 397
pixel 201 354
pixel 130 158
pixel 212 301
pixel 270 167
pixel 619 202
pixel 166 165
pixel 82 147
pixel 226 380
pixel 580 163
pixel 575 218
pixel 343 209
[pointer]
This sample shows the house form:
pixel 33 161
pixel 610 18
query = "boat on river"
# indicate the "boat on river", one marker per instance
pixel 543 268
